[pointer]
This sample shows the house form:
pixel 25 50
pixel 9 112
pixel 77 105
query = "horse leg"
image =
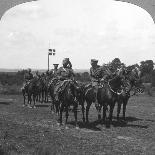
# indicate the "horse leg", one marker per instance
pixel 24 97
pixel 104 112
pixel 66 117
pixel 99 112
pixel 87 110
pixel 112 105
pixel 34 100
pixel 124 109
pixel 75 113
pixel 118 109
pixel 61 111
pixel 29 100
pixel 83 110
pixel 42 93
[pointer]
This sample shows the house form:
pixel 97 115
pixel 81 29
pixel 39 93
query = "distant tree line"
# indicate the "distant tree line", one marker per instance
pixel 146 67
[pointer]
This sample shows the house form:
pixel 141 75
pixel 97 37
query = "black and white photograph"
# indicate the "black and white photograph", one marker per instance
pixel 77 77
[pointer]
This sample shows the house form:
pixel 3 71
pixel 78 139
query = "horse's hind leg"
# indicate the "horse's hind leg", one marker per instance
pixel 104 112
pixel 124 109
pixel 75 113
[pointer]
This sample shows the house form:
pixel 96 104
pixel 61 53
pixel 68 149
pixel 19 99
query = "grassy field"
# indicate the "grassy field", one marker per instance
pixel 27 131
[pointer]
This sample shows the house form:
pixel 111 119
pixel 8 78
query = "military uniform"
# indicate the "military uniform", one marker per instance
pixel 28 76
pixel 55 70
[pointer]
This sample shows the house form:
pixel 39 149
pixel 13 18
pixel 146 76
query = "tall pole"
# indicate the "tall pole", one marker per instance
pixel 48 62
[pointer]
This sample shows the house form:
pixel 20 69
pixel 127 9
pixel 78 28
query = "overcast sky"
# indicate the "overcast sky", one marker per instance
pixel 79 29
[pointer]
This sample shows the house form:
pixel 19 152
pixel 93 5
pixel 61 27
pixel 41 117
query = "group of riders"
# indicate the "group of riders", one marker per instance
pixel 104 84
pixel 97 73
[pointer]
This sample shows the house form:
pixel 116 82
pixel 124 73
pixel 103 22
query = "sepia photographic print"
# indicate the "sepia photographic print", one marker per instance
pixel 77 77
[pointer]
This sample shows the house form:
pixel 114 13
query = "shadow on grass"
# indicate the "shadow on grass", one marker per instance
pixel 129 119
pixel 5 103
pixel 114 123
pixel 90 125
pixel 126 124
pixel 42 105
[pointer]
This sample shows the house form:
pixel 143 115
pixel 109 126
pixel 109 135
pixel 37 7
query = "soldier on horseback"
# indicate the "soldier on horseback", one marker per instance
pixel 64 73
pixel 28 76
pixel 95 79
pixel 98 74
pixel 55 70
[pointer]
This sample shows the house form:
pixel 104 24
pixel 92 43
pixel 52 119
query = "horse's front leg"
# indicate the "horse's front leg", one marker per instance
pixel 34 100
pixel 87 110
pixel 66 116
pixel 112 105
pixel 61 111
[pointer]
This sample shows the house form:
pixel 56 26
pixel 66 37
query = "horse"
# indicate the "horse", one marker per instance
pixel 132 82
pixel 66 99
pixel 107 95
pixel 40 86
pixel 89 97
pixel 30 90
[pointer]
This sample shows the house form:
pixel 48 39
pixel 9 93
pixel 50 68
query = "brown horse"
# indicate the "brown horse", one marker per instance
pixel 107 96
pixel 66 99
pixel 30 90
pixel 133 83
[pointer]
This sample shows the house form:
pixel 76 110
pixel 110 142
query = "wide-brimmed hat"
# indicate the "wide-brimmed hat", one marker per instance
pixel 55 65
pixel 94 61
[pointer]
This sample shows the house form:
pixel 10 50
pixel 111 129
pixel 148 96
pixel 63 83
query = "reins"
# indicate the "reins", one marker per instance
pixel 115 91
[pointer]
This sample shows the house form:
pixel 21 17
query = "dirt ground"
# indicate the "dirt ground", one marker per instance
pixel 28 131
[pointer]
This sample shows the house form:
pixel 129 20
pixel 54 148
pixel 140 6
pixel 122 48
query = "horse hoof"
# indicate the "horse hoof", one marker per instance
pixel 23 105
pixel 34 107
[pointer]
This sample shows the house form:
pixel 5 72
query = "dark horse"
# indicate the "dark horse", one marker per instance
pixel 30 90
pixel 133 83
pixel 107 96
pixel 89 97
pixel 66 99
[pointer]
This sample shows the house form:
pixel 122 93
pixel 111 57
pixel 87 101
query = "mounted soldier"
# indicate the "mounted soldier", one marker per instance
pixel 37 75
pixel 95 79
pixel 55 70
pixel 28 76
pixel 98 74
pixel 64 74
